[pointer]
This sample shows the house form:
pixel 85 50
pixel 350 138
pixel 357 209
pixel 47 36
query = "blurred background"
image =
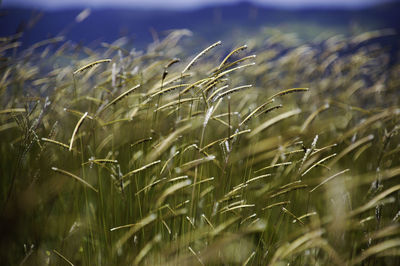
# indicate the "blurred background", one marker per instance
pixel 93 22
pixel 345 51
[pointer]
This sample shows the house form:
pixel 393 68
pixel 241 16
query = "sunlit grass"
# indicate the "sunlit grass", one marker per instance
pixel 117 158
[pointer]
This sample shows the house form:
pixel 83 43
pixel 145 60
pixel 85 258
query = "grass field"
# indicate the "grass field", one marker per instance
pixel 279 153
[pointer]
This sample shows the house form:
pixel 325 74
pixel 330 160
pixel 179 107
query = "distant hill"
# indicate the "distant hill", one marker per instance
pixel 210 23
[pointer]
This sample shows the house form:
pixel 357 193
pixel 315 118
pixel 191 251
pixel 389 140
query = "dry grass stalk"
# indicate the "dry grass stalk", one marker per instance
pixel 75 177
pixel 90 65
pixel 202 53
pixel 71 142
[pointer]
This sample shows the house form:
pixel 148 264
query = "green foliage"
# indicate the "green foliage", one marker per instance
pixel 116 157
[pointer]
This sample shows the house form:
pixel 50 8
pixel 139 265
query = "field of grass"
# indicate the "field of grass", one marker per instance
pixel 279 153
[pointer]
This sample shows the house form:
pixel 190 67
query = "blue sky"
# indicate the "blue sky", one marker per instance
pixel 184 3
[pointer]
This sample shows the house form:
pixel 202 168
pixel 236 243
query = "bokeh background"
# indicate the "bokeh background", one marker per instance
pixel 291 142
pixel 92 22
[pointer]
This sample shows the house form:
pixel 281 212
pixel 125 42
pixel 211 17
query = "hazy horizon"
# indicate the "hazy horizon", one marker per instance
pixel 186 4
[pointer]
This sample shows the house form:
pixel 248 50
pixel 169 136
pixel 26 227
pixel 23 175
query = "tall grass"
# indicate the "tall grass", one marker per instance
pixel 116 158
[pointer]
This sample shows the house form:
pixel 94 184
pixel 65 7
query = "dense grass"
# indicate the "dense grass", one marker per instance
pixel 144 159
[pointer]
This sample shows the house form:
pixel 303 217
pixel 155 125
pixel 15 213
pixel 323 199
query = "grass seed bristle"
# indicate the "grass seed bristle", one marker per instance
pixel 78 125
pixel 237 50
pixel 75 177
pixel 202 53
pixel 288 91
pixel 90 65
